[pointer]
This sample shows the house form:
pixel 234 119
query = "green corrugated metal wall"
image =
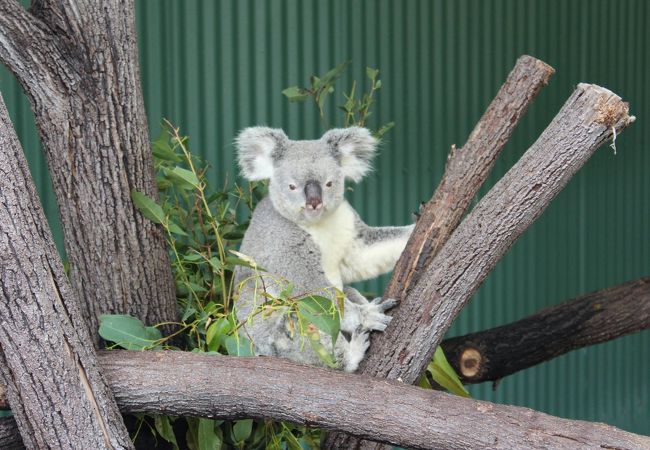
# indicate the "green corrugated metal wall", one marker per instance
pixel 214 67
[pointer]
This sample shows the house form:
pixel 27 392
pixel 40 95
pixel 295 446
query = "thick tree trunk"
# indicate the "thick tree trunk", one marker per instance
pixel 48 363
pixel 222 387
pixel 78 63
pixel 587 320
pixel 585 122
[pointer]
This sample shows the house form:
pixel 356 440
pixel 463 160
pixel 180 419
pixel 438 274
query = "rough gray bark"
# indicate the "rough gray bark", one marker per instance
pixel 47 361
pixel 445 286
pixel 78 63
pixel 9 435
pixel 587 320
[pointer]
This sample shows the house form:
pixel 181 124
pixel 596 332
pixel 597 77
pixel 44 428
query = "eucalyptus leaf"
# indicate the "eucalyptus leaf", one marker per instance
pixel 174 228
pixel 164 428
pixel 193 257
pixel 383 130
pixel 207 437
pixel 241 430
pixel 239 346
pixel 333 74
pixel 295 94
pixel 184 176
pixel 149 208
pixel 317 346
pixel 162 150
pixel 444 374
pixel 128 332
pixel 217 333
pixel 322 313
pixel 372 73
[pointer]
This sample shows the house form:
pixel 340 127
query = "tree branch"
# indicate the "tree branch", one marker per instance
pixel 587 320
pixel 585 122
pixel 222 387
pixel 47 362
pixel 467 169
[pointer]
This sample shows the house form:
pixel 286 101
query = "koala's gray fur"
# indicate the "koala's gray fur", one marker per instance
pixel 305 232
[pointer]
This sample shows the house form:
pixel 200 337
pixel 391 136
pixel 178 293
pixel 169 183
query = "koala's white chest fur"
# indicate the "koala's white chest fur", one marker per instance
pixel 335 236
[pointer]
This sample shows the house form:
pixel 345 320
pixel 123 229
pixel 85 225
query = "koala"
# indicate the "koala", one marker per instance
pixel 305 231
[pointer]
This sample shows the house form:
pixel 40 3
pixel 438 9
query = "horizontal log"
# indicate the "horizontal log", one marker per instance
pixel 586 320
pixel 224 387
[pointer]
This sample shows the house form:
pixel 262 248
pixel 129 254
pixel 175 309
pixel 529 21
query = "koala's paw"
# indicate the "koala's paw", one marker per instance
pixel 372 314
pixel 355 350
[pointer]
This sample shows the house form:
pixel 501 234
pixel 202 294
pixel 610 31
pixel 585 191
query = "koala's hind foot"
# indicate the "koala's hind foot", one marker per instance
pixel 351 349
pixel 367 315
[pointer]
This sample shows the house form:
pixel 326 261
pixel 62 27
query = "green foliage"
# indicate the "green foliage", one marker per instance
pixel 443 374
pixel 129 332
pixel 357 110
pixel 320 88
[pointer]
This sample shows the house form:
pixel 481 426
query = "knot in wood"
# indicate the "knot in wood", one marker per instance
pixel 470 362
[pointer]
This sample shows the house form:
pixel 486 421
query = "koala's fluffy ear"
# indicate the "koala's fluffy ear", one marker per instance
pixel 255 149
pixel 354 147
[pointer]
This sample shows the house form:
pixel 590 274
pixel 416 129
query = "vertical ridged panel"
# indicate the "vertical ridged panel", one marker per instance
pixel 213 67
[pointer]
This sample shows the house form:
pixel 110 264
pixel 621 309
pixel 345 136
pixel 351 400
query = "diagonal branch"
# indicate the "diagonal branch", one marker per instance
pixel 467 169
pixel 586 121
pixel 587 320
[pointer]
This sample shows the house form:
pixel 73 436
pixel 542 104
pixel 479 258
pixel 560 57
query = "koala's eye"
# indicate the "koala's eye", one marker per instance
pixel 292 187
pixel 328 184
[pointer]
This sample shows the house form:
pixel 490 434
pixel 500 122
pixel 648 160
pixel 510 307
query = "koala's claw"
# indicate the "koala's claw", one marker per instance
pixel 372 315
pixel 385 304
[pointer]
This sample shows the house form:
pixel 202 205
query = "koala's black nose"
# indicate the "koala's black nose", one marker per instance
pixel 313 195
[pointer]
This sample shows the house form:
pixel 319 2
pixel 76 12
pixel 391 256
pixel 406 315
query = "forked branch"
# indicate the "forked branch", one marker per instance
pixel 589 118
